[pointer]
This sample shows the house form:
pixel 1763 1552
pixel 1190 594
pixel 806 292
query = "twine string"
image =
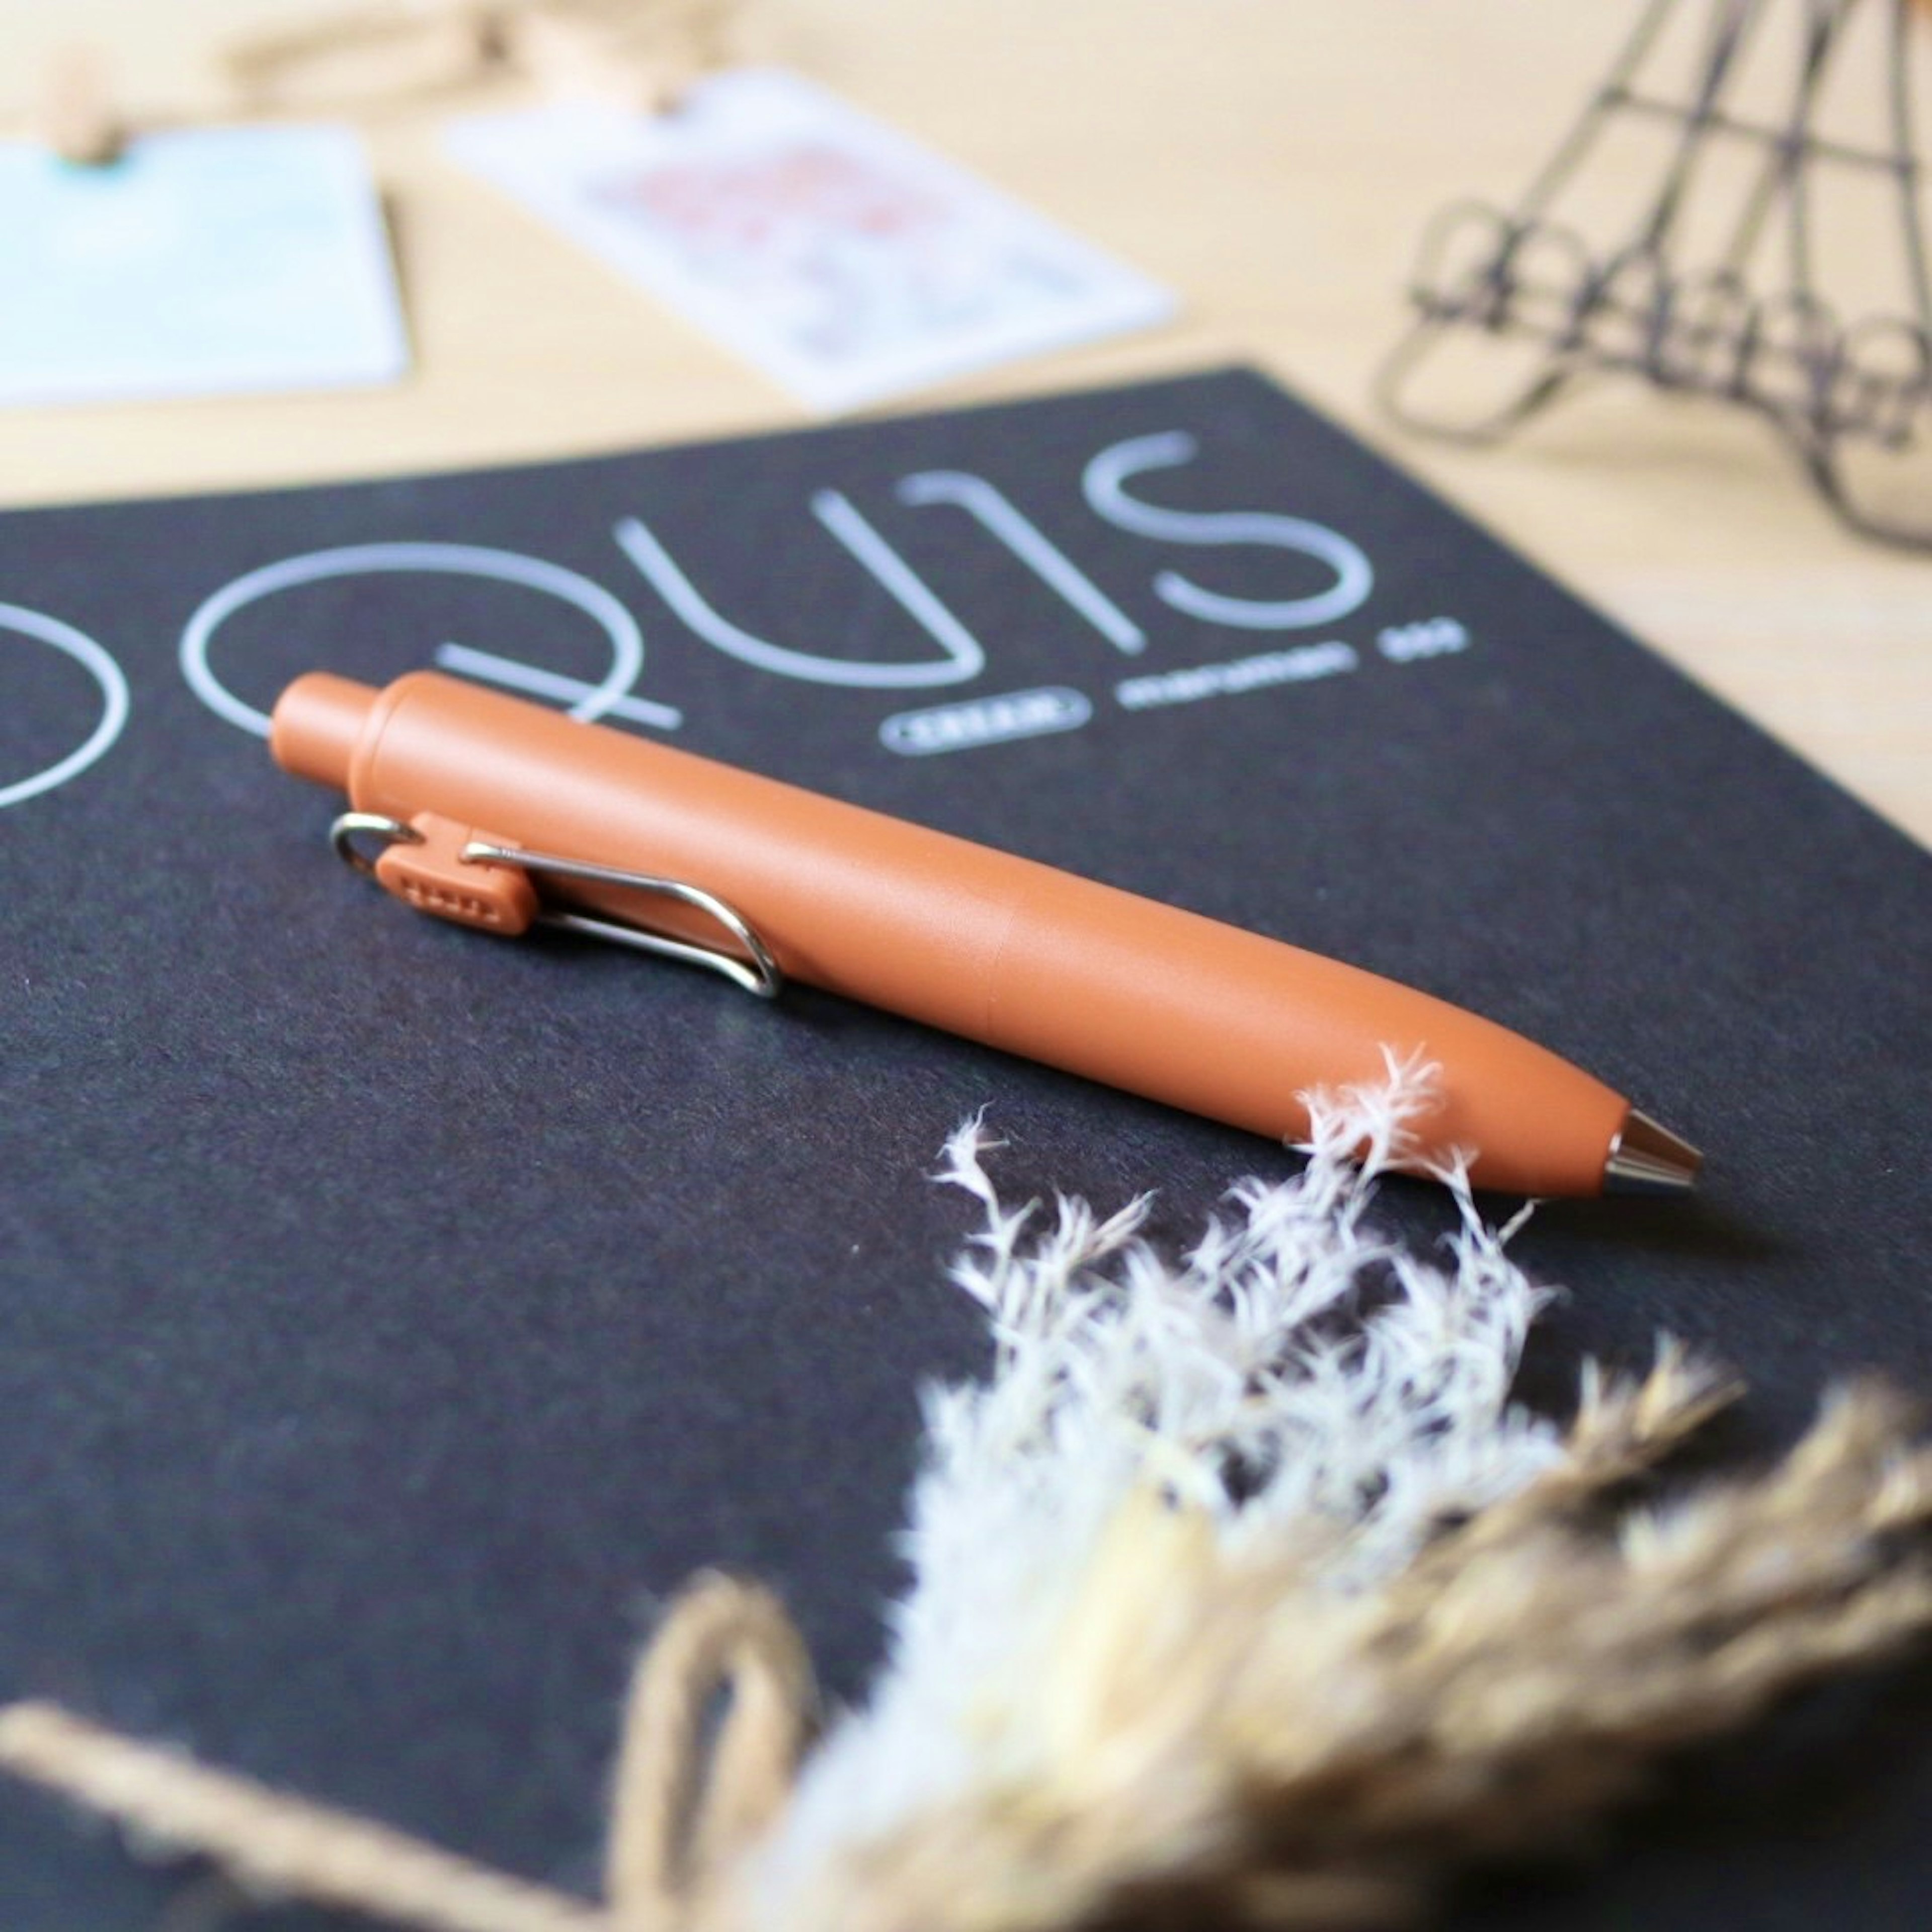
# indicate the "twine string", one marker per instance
pixel 638 55
pixel 680 1814
pixel 678 1817
pixel 361 54
pixel 638 52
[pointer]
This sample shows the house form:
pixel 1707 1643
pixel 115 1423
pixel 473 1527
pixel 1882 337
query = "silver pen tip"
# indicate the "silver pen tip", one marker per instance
pixel 1647 1158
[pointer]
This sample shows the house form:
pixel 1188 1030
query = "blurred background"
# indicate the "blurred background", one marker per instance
pixel 1274 162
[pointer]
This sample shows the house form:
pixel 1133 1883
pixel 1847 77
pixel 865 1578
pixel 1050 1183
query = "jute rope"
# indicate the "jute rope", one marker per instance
pixel 637 54
pixel 1511 1683
pixel 675 1823
pixel 679 1814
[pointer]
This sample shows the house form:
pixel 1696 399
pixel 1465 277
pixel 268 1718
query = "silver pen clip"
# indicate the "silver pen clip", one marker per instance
pixel 757 973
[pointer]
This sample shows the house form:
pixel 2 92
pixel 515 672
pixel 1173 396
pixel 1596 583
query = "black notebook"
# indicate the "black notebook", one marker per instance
pixel 390 1316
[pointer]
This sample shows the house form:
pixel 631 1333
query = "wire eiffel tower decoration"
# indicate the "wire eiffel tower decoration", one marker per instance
pixel 1749 323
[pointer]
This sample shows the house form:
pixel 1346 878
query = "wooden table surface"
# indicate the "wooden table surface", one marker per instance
pixel 1273 163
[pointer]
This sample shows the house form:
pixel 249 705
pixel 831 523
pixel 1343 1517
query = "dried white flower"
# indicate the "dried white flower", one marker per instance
pixel 1297 1377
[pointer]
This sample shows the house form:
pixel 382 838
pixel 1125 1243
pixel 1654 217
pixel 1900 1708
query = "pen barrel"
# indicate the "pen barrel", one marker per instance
pixel 1021 956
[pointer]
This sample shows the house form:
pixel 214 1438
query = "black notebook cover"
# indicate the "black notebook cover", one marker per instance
pixel 388 1315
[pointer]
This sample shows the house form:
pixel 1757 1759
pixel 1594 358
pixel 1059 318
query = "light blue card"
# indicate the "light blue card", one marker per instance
pixel 213 260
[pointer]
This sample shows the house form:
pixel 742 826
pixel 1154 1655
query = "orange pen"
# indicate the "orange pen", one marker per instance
pixel 498 812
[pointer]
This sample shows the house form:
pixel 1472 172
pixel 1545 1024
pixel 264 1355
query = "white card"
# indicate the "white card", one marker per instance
pixel 211 260
pixel 844 260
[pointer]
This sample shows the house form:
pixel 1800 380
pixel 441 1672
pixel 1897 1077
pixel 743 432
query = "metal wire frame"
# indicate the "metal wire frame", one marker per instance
pixel 1634 308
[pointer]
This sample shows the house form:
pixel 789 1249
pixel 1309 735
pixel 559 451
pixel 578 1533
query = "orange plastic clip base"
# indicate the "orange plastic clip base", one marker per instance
pixel 430 873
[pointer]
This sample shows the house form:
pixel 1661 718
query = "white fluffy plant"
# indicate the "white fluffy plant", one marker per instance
pixel 1242 1598
pixel 1297 1382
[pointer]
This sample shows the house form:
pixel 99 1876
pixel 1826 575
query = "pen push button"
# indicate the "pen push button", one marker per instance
pixel 427 868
